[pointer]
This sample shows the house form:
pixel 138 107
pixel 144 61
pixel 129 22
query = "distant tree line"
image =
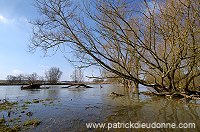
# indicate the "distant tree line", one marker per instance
pixel 24 78
pixel 98 80
pixel 52 76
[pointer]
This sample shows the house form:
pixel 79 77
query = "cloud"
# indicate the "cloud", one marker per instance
pixel 43 66
pixel 17 72
pixel 6 20
pixel 3 19
pixel 15 20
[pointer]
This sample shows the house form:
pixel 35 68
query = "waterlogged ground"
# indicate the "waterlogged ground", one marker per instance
pixel 69 109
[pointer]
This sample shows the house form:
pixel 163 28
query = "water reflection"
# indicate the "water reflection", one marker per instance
pixel 157 110
pixel 31 92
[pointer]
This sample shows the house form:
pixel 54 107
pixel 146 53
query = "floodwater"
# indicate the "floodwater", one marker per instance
pixel 69 109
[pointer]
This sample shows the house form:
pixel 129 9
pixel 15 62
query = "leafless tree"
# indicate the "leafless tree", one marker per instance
pixel 15 78
pixel 32 78
pixel 53 75
pixel 11 78
pixel 155 44
pixel 77 75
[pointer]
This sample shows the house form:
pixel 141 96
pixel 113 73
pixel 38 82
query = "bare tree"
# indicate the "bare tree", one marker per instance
pixel 32 78
pixel 11 79
pixel 155 44
pixel 41 79
pixel 77 75
pixel 15 79
pixel 53 75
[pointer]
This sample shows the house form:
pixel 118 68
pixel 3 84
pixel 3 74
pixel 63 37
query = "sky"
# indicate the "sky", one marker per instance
pixel 15 34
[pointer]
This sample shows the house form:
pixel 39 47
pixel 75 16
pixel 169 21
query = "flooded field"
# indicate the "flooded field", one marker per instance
pixel 69 109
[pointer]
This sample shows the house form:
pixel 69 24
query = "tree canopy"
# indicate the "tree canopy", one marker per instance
pixel 155 43
pixel 53 75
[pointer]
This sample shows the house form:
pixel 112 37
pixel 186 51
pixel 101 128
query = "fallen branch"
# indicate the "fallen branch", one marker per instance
pixel 83 85
pixel 194 97
pixel 31 86
pixel 116 94
pixel 174 95
pixel 78 86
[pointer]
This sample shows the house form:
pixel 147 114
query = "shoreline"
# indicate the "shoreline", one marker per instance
pixel 59 83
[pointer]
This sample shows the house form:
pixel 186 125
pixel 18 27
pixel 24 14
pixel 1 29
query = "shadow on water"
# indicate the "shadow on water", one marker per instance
pixel 72 108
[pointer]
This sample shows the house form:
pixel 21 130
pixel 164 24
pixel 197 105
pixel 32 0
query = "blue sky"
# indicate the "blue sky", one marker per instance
pixel 15 33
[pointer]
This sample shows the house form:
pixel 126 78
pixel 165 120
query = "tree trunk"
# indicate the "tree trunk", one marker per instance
pixel 136 88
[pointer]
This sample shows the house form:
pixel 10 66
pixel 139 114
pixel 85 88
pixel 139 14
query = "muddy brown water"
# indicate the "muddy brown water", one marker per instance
pixel 69 109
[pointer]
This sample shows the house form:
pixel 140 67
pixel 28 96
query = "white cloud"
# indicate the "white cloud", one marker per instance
pixel 6 20
pixel 3 19
pixel 17 72
pixel 43 66
pixel 15 20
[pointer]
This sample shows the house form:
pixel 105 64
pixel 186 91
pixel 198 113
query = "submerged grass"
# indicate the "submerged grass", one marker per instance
pixel 2 120
pixel 10 124
pixel 6 128
pixel 14 124
pixel 28 102
pixel 33 122
pixel 7 105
